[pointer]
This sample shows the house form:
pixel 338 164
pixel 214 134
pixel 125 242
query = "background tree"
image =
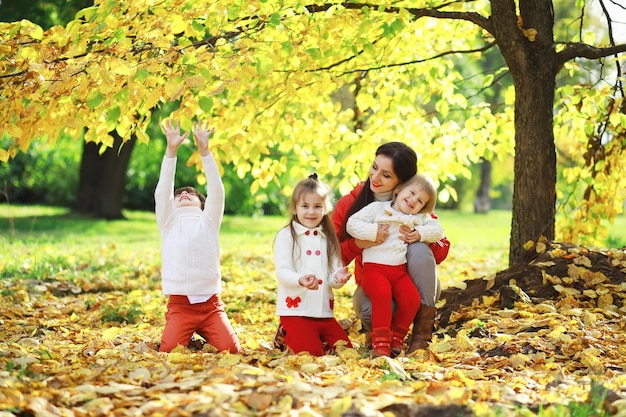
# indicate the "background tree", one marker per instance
pixel 265 72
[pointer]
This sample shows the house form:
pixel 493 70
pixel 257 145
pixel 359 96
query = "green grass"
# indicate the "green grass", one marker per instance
pixel 41 224
pixel 482 234
pixel 43 240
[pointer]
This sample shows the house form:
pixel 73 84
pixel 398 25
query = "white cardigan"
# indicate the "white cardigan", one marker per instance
pixel 190 252
pixel 308 257
pixel 364 225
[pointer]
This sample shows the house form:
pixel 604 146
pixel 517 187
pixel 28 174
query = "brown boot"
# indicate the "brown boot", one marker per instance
pixel 381 341
pixel 423 327
pixel 366 327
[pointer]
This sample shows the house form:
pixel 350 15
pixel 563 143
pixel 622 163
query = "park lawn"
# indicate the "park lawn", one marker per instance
pixel 82 313
pixel 479 241
pixel 47 239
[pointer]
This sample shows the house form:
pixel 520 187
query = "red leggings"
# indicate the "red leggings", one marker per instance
pixel 308 334
pixel 208 319
pixel 382 283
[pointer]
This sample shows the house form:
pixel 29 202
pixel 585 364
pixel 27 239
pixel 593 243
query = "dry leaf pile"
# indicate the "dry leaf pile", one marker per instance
pixel 541 336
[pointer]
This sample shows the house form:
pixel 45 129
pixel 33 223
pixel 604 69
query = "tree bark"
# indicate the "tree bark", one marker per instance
pixel 533 64
pixel 534 187
pixel 101 184
pixel 482 203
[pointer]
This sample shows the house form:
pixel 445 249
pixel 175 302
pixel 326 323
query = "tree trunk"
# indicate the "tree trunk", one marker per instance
pixel 533 63
pixel 482 203
pixel 101 185
pixel 534 187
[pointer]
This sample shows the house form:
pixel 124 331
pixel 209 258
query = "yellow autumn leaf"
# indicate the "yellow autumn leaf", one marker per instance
pixel 178 355
pixel 142 136
pixel 173 89
pixel 27 53
pixel 120 67
pixel 111 333
pixel 228 361
pixel 195 81
pixel 340 406
pixel 177 24
pixel 541 247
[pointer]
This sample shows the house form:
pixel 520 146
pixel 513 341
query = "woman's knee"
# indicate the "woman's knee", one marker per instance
pixel 422 268
pixel 362 306
pixel 419 256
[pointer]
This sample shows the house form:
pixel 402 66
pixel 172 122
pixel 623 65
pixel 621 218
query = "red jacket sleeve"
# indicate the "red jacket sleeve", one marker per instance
pixel 349 250
pixel 440 248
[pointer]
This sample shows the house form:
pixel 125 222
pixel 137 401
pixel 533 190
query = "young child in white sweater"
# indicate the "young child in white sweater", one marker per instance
pixel 190 254
pixel 385 277
pixel 308 267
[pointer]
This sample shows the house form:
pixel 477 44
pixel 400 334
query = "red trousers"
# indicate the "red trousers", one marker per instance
pixel 308 334
pixel 382 283
pixel 208 319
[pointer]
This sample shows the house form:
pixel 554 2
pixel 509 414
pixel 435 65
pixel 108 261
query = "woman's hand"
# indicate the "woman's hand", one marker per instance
pixel 408 235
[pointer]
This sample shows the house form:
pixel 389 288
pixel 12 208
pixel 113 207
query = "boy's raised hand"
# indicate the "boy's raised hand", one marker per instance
pixel 174 138
pixel 202 133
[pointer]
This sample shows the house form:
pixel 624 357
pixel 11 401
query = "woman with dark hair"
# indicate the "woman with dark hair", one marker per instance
pixel 394 163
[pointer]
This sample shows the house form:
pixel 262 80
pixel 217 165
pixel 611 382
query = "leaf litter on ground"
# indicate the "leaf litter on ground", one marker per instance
pixel 82 341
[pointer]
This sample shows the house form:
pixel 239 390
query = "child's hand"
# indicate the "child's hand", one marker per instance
pixel 173 136
pixel 342 275
pixel 309 282
pixel 408 235
pixel 382 233
pixel 202 133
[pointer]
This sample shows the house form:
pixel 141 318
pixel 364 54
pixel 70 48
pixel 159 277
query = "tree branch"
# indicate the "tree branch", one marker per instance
pixel 401 64
pixel 434 12
pixel 581 50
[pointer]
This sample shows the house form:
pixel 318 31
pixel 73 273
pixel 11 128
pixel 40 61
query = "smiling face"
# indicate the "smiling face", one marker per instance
pixel 412 199
pixel 417 195
pixel 382 176
pixel 309 209
pixel 187 197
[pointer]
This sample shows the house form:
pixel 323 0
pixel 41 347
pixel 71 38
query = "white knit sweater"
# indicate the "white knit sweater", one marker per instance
pixel 190 252
pixel 364 225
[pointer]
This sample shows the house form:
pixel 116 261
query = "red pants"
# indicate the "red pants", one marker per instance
pixel 308 334
pixel 208 319
pixel 382 283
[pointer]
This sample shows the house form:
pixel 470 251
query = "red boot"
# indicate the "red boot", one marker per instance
pixel 397 341
pixel 381 342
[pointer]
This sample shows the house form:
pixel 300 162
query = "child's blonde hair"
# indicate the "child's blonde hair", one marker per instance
pixel 426 184
pixel 313 185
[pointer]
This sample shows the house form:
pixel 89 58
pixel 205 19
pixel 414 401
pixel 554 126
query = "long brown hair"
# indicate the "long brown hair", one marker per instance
pixel 313 185
pixel 404 162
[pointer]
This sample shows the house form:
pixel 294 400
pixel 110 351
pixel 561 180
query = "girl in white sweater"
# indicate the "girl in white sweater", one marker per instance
pixel 190 252
pixel 385 277
pixel 308 266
